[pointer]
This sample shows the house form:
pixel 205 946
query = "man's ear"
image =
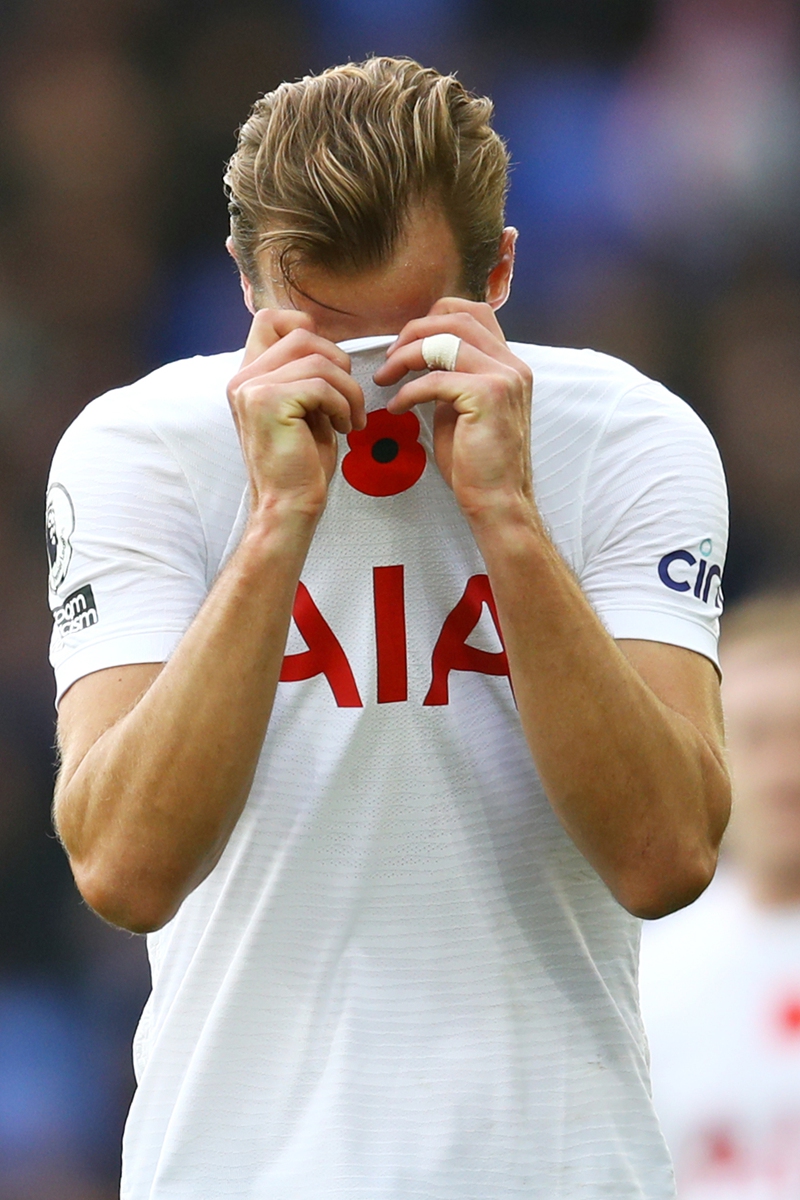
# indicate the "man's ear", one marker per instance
pixel 248 290
pixel 498 285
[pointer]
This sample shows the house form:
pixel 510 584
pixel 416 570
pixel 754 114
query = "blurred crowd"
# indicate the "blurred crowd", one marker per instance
pixel 720 980
pixel 656 186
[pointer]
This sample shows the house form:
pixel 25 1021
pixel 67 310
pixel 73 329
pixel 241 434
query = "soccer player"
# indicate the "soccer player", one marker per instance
pixel 721 982
pixel 387 701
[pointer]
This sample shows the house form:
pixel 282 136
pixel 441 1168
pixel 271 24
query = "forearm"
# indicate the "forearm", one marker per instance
pixel 147 811
pixel 636 785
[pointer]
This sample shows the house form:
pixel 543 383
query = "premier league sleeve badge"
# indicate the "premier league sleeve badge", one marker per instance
pixel 60 525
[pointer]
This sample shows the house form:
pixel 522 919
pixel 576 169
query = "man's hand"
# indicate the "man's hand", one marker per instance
pixel 482 424
pixel 292 391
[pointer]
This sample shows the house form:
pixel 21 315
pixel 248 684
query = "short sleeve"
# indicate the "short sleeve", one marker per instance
pixel 125 543
pixel 655 524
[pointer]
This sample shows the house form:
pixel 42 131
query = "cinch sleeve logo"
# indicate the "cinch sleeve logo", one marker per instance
pixel 682 571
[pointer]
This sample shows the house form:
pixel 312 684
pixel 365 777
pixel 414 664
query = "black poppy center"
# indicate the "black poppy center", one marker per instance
pixel 385 450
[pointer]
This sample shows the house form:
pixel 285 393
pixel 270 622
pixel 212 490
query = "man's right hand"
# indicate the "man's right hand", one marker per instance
pixel 292 391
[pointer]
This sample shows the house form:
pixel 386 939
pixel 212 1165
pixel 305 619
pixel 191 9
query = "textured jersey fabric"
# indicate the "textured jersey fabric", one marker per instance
pixel 721 1002
pixel 402 981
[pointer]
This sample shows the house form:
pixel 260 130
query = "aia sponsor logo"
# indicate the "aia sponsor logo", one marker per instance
pixel 684 571
pixel 326 656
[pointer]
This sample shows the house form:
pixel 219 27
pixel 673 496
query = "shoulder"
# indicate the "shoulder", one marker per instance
pixel 602 429
pixel 585 387
pixel 155 459
pixel 181 407
pixel 559 367
pixel 600 424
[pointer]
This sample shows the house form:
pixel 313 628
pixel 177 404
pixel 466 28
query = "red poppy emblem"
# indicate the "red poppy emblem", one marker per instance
pixel 385 458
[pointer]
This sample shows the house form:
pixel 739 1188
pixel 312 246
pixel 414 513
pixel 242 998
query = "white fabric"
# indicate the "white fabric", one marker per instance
pixel 402 981
pixel 440 351
pixel 721 1002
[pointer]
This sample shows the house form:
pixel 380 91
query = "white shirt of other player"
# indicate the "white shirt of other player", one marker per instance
pixel 402 981
pixel 721 1002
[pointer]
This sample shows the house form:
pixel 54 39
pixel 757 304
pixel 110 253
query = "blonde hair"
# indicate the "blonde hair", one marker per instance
pixel 326 168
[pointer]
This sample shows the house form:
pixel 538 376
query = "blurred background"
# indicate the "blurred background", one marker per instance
pixel 656 186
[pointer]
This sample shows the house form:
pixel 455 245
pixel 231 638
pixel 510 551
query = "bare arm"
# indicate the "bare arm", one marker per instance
pixel 627 737
pixel 146 805
pixel 157 763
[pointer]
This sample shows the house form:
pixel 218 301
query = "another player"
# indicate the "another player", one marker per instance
pixel 721 982
pixel 392 901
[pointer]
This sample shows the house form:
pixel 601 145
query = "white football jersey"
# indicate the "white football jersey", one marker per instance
pixel 402 981
pixel 721 1002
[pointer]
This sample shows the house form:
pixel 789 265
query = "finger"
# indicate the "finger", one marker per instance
pixel 463 325
pixel 318 366
pixel 285 398
pixel 479 310
pixel 467 393
pixel 474 322
pixel 321 428
pixel 308 396
pixel 410 358
pixel 444 425
pixel 298 344
pixel 269 326
pixel 312 352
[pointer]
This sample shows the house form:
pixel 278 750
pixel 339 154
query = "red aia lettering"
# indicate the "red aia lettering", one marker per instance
pixel 324 655
pixel 451 653
pixel 390 634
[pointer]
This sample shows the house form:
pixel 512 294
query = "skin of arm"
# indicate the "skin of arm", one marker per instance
pixel 153 781
pixel 627 737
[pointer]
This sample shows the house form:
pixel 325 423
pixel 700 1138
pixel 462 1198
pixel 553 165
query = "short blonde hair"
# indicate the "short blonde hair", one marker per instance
pixel 326 169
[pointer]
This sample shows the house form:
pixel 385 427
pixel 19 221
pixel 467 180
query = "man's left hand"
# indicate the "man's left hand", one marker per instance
pixel 482 422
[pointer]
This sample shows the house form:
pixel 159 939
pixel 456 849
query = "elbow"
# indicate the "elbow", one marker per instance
pixel 122 884
pixel 666 887
pixel 654 898
pixel 678 875
pixel 136 907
